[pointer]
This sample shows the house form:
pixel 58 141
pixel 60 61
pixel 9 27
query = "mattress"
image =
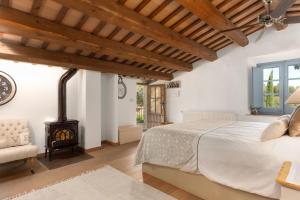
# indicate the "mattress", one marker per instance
pixel 227 152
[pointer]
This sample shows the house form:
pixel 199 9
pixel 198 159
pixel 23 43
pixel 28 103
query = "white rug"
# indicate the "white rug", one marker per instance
pixel 106 183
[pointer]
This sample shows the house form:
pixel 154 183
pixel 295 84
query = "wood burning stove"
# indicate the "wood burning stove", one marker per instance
pixel 62 133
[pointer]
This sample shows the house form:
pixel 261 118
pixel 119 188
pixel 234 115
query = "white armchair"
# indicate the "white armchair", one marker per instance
pixel 15 142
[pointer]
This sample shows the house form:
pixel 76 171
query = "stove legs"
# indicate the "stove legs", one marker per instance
pixel 46 152
pixel 49 152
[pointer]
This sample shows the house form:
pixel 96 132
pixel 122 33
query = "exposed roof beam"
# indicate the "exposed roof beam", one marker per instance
pixel 20 23
pixel 126 18
pixel 39 56
pixel 36 5
pixel 206 11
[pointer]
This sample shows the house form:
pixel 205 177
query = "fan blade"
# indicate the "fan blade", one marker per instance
pixel 280 26
pixel 268 8
pixel 292 20
pixel 240 27
pixel 282 7
pixel 260 34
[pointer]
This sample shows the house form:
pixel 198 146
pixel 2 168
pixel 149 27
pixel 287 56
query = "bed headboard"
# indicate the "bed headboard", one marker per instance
pixel 199 115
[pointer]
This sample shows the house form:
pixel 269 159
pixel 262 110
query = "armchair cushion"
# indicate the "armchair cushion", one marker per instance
pixel 18 153
pixel 3 142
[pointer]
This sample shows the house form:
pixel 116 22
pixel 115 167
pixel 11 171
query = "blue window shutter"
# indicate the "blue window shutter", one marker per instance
pixel 257 87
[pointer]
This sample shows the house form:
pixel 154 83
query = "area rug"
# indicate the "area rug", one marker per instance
pixel 105 183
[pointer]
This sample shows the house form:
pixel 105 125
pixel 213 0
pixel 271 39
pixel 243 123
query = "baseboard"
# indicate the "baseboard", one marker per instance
pixel 110 143
pixel 93 149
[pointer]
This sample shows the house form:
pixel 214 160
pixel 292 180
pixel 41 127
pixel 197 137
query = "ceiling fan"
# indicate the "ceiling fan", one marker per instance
pixel 270 18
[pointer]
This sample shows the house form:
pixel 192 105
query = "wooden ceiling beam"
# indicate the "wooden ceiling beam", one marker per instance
pixel 39 56
pixel 172 14
pixel 293 13
pixel 182 20
pixel 190 26
pixel 128 19
pixel 159 8
pixel 236 16
pixel 151 16
pixel 257 7
pixel 295 7
pixel 214 42
pixel 19 23
pixel 142 5
pixel 250 19
pixel 59 17
pixel 219 47
pixel 163 22
pixel 238 8
pixel 36 5
pixel 213 17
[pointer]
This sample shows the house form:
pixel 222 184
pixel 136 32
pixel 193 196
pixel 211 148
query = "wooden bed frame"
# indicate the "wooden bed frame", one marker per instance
pixel 198 185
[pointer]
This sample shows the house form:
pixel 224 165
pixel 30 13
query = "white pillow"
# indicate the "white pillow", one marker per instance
pixel 24 138
pixel 19 139
pixel 275 130
pixel 3 142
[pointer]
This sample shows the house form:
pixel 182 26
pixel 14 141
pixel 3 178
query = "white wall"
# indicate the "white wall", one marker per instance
pixel 223 85
pixel 127 106
pixel 91 109
pixel 173 105
pixel 116 112
pixel 109 103
pixel 36 97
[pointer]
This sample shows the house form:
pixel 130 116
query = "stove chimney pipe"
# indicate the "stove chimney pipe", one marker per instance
pixel 62 94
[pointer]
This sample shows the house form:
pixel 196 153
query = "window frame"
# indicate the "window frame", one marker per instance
pixel 258 86
pixel 288 63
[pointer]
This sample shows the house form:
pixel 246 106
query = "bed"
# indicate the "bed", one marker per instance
pixel 217 150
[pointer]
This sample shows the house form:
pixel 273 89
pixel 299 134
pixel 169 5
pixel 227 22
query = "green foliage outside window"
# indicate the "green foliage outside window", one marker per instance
pixel 140 95
pixel 140 104
pixel 270 87
pixel 271 98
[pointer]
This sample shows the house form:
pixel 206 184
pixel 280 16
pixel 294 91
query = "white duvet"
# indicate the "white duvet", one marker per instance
pixel 227 152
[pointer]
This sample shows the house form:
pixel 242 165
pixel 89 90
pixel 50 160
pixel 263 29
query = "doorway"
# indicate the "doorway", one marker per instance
pixel 151 105
pixel 156 109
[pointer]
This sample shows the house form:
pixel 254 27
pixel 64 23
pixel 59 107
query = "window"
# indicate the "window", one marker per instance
pixel 272 84
pixel 271 88
pixel 293 81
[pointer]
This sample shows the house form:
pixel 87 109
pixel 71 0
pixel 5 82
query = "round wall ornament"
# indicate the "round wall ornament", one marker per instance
pixel 8 88
pixel 122 89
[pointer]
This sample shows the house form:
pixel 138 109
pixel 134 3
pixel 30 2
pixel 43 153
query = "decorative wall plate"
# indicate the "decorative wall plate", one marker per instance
pixel 8 88
pixel 122 89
